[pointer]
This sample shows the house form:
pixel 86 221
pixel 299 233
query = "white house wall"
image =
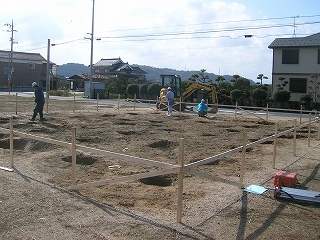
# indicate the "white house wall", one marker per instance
pixel 308 65
pixel 308 59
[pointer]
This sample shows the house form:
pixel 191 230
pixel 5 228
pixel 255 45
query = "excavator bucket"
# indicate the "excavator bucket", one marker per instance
pixel 213 110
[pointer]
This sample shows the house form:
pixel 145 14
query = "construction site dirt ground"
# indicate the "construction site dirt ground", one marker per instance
pixel 36 201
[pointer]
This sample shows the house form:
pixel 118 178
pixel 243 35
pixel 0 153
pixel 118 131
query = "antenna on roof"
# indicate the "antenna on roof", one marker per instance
pixel 294 25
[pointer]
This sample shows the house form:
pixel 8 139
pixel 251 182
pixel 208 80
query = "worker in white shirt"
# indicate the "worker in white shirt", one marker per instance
pixel 170 97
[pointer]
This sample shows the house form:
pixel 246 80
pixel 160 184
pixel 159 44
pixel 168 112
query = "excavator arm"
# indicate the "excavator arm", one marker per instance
pixel 197 86
pixel 187 93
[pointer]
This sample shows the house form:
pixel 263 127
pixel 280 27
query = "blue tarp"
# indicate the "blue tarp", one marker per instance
pixel 255 189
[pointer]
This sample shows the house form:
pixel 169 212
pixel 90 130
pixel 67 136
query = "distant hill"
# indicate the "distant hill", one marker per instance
pixel 69 69
pixel 153 73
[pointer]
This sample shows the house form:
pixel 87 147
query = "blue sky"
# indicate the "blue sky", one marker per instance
pixel 180 34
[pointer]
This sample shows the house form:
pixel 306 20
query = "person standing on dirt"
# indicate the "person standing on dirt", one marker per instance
pixel 170 97
pixel 39 100
pixel 202 108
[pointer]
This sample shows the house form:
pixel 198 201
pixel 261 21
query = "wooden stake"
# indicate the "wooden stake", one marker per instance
pixel 235 112
pixel 319 130
pixel 244 147
pixel 47 102
pixel 118 101
pixel 97 101
pixel 11 141
pixel 180 180
pixel 267 115
pixel 16 103
pixel 74 101
pixel 294 137
pixel 74 156
pixel 309 130
pixel 134 104
pixel 300 113
pixel 157 102
pixel 275 146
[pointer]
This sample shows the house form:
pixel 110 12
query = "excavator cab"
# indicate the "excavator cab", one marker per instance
pixel 173 81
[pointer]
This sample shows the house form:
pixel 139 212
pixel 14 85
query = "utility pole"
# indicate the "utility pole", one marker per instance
pixel 91 58
pixel 10 65
pixel 48 70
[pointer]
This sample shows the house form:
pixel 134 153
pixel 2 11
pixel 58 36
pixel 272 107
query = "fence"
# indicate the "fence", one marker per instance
pixel 166 168
pixel 17 104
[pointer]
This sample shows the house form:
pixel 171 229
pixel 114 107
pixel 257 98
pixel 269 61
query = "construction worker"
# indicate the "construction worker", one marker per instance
pixel 39 100
pixel 202 108
pixel 170 97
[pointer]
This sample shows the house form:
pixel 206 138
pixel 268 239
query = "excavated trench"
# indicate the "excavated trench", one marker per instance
pixel 161 181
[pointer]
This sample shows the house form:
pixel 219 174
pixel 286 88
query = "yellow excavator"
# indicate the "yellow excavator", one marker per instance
pixel 203 91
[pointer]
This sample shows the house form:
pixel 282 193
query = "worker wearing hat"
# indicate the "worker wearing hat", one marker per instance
pixel 170 97
pixel 202 108
pixel 39 101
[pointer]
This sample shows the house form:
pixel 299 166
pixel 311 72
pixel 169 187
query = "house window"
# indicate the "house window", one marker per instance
pixel 31 65
pixel 298 85
pixel 96 70
pixel 290 56
pixel 318 56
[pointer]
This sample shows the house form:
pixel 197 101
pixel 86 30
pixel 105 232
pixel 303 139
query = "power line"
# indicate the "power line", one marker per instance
pixel 172 35
pixel 209 31
pixel 223 22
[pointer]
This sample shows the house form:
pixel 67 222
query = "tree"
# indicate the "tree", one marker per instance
pixel 261 77
pixel 234 78
pixel 282 95
pixel 226 86
pixel 202 76
pixel 132 89
pixel 154 90
pixel 118 85
pixel 259 95
pixel 241 83
pixel 185 84
pixel 223 90
pixel 236 94
pixel 314 87
pixel 144 91
pixel 306 99
pixel 220 79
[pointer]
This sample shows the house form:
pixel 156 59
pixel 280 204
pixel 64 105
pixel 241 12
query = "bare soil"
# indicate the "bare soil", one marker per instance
pixel 36 201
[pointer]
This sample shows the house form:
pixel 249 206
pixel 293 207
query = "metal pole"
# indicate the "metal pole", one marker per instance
pixel 48 70
pixel 91 58
pixel 10 64
pixel 11 46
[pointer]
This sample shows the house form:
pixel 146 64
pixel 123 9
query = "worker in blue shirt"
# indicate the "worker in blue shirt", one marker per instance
pixel 170 98
pixel 202 108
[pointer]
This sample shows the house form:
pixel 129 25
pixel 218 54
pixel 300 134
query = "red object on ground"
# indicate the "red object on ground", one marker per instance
pixel 285 179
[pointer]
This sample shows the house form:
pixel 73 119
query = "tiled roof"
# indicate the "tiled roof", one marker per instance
pixel 22 56
pixel 116 66
pixel 87 77
pixel 123 66
pixel 137 69
pixel 108 62
pixel 309 41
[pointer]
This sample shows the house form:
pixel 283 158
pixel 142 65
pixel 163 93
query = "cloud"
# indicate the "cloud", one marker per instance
pixel 180 34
